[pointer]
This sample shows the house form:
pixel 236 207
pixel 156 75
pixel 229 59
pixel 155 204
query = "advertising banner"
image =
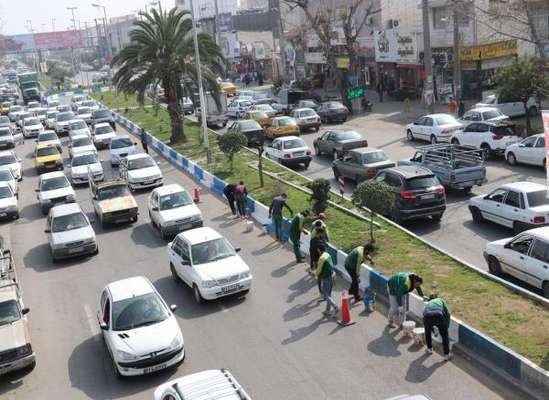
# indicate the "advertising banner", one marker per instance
pixel 545 118
pixel 393 46
pixel 503 48
pixel 19 43
pixel 57 40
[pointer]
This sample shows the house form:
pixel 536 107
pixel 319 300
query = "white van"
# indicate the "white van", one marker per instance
pixel 510 107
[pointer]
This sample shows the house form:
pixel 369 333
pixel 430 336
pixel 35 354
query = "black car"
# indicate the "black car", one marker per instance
pixel 332 111
pixel 336 143
pixel 418 193
pixel 251 129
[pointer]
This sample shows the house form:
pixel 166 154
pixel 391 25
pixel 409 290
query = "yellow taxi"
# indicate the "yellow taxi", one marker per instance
pixel 229 88
pixel 282 126
pixel 47 158
pixel 260 116
pixel 5 107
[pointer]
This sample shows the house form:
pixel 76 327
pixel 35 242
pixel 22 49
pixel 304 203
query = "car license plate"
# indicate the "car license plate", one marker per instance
pixel 155 368
pixel 119 220
pixel 428 196
pixel 147 182
pixel 3 214
pixel 299 153
pixel 230 288
pixel 75 250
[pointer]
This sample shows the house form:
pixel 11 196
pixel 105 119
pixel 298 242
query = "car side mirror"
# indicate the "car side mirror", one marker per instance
pixel 37 190
pixel 155 208
pixel 173 307
pixel 507 245
pixel 103 325
pixel 25 310
pixel 238 249
pixel 522 145
pixel 47 230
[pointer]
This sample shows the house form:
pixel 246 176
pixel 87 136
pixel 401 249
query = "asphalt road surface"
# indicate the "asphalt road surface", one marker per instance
pixel 275 341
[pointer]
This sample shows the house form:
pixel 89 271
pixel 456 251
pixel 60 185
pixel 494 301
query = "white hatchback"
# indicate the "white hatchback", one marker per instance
pixel 290 151
pixel 80 144
pixel 208 263
pixel 140 171
pixel 7 176
pixel 433 128
pixel 8 160
pixel 8 202
pixel 54 188
pixel 103 134
pixel 140 330
pixel 78 127
pixel 82 166
pixel 121 146
pixel 32 127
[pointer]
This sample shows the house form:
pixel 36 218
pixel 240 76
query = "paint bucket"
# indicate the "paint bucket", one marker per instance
pixel 249 226
pixel 419 336
pixel 369 303
pixel 408 327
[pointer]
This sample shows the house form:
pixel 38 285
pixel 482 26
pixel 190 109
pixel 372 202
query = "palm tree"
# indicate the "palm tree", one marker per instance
pixel 161 53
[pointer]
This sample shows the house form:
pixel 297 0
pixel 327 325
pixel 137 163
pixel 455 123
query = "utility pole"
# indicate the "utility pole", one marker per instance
pixel 71 9
pixel 216 23
pixel 428 92
pixel 53 24
pixel 457 59
pixel 203 108
pixel 280 33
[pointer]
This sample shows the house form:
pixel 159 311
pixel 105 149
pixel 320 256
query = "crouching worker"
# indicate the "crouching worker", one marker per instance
pixel 436 313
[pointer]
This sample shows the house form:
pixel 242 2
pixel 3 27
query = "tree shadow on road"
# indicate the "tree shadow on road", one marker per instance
pixel 282 271
pixel 298 311
pixel 419 372
pixel 301 333
pixel 273 246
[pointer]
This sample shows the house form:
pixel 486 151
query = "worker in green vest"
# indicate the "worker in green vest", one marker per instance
pixel 325 271
pixel 399 285
pixel 296 228
pixel 436 313
pixel 319 223
pixel 352 264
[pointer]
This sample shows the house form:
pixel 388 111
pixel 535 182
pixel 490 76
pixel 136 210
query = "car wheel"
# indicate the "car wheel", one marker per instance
pixel 511 159
pixel 409 135
pixel 455 141
pixel 493 265
pixel 533 111
pixel 175 277
pixel 317 150
pixel 433 139
pixel 115 369
pixel 197 296
pixel 545 288
pixel 477 215
pixel 486 150
pixel 16 216
pixel 163 235
pixel 244 293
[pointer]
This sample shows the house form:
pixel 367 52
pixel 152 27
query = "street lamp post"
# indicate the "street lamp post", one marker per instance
pixel 107 31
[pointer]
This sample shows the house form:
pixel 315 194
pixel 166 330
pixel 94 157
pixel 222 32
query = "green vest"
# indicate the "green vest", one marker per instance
pixel 355 259
pixel 324 266
pixel 296 227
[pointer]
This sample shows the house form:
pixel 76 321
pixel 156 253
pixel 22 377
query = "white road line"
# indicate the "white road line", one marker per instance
pixel 92 322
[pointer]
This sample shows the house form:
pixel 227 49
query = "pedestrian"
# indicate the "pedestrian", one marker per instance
pixel 452 106
pixel 315 242
pixel 260 78
pixel 296 227
pixel 275 212
pixel 247 79
pixel 229 192
pixel 436 313
pixel 399 285
pixel 380 91
pixel 240 195
pixel 461 108
pixel 319 222
pixel 144 140
pixel 325 271
pixel 353 263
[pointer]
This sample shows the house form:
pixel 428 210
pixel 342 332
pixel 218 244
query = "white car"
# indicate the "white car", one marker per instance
pixel 306 118
pixel 491 137
pixel 103 134
pixel 525 256
pixel 518 205
pixel 49 137
pixel 433 128
pixel 266 108
pixel 84 113
pixel 121 146
pixel 78 127
pixel 172 210
pixel 480 114
pixel 62 121
pixel 32 127
pixel 15 110
pixel 40 113
pixel 140 171
pixel 238 107
pixel 54 188
pixel 208 263
pixel 215 384
pixel 8 160
pixel 7 176
pixel 50 118
pixel 84 164
pixel 81 144
pixel 290 151
pixel 510 107
pixel 91 104
pixel 32 105
pixel 140 330
pixel 69 232
pixel 8 202
pixel 6 138
pixel 529 151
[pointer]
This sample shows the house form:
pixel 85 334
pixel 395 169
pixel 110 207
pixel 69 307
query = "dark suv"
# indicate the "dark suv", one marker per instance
pixel 418 193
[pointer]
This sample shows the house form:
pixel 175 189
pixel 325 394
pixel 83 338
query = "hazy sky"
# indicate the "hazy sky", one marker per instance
pixel 15 13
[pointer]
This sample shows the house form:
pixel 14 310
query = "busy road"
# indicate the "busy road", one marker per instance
pixel 274 341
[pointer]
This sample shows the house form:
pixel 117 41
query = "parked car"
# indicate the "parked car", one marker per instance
pixel 81 144
pixel 238 107
pixel 102 115
pixel 62 121
pixel 78 127
pixel 289 151
pixel 209 264
pixel 6 138
pixel 47 158
pixel 511 107
pixel 528 151
pixel 481 114
pixel 84 165
pixel 140 171
pixel 139 329
pixel 260 117
pixel 433 128
pixel 518 205
pixel 332 111
pixel 266 108
pixel 457 167
pixel 70 233
pixel 112 202
pixel 306 118
pixel 121 146
pixel 8 203
pixel 361 164
pixel 102 134
pixel 249 128
pixel 172 210
pixel 418 193
pixel 525 256
pixel 49 137
pixel 490 137
pixel 215 384
pixel 335 143
pixel 32 127
pixel 53 189
pixel 8 160
pixel 282 126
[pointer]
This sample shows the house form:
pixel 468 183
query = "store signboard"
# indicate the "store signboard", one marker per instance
pixel 19 43
pixel 58 40
pixel 315 58
pixel 503 48
pixel 394 46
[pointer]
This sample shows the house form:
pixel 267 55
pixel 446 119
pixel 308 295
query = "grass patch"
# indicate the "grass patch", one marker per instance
pixel 117 100
pixel 509 318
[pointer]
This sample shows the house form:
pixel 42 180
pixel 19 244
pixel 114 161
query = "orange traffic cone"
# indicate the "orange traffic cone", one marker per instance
pixel 196 195
pixel 346 319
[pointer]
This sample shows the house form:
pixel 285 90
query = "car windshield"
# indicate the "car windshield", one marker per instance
pixel 421 182
pixel 47 136
pixel 84 159
pixel 69 222
pixel 85 141
pixel 54 183
pixel 348 135
pixel 100 130
pixel 112 192
pixel 5 192
pixel 286 122
pixel 211 251
pixel 175 200
pixel 335 106
pixel 538 198
pixel 47 151
pixel 7 159
pixel 32 121
pixel 491 114
pixel 138 163
pixel 51 114
pixel 489 100
pixel 84 110
pixel 307 113
pixel 294 144
pixel 121 143
pixel 9 312
pixel 101 113
pixel 264 107
pixel 4 120
pixel 64 116
pixel 138 311
pixel 5 132
pixel 376 156
pixel 5 175
pixel 249 125
pixel 78 125
pixel 445 120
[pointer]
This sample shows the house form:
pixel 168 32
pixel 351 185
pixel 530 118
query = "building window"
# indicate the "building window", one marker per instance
pixel 440 17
